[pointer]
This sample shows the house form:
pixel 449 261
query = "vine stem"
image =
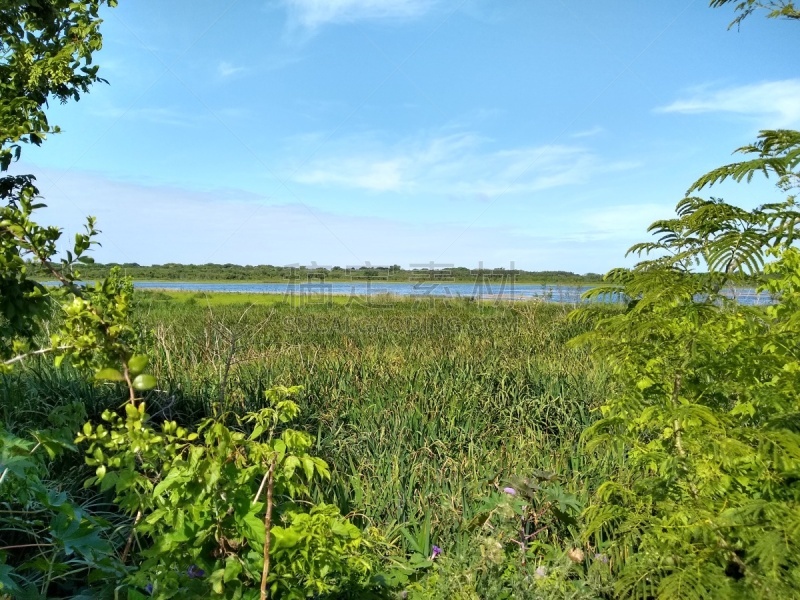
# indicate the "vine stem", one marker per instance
pixel 129 543
pixel 523 540
pixel 267 529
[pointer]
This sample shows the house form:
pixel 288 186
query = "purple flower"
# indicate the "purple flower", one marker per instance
pixel 541 572
pixel 195 572
pixel 149 589
pixel 436 552
pixel 510 491
pixel 602 558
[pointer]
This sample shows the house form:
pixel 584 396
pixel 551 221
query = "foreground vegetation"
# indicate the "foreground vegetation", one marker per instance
pixel 424 412
pixel 396 448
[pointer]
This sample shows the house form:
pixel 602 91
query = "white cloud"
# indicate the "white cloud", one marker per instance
pixel 226 69
pixel 457 164
pixel 596 130
pixel 378 176
pixel 157 115
pixel 172 117
pixel 313 14
pixel 773 103
pixel 151 224
pixel 626 222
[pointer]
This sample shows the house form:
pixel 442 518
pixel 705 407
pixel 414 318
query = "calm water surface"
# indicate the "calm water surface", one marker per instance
pixel 517 291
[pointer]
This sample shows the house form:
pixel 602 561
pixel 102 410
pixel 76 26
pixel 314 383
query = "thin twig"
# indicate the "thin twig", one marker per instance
pixel 261 487
pixel 267 529
pixel 677 424
pixel 26 546
pixel 21 357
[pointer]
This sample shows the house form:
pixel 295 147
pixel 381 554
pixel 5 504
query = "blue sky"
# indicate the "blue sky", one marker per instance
pixel 342 132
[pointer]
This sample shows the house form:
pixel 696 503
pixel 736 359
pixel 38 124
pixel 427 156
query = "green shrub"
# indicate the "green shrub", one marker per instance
pixel 708 504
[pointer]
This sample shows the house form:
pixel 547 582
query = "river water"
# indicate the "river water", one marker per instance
pixel 478 291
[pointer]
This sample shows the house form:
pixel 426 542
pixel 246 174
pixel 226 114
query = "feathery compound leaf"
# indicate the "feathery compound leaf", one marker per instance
pixel 741 251
pixel 778 152
pixel 705 411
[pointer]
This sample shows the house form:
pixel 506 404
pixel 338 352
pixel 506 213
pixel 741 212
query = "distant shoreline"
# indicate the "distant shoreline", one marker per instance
pixel 495 281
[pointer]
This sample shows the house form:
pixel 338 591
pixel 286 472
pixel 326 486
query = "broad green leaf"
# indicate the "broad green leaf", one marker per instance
pixel 144 382
pixel 232 569
pixel 137 364
pixel 109 375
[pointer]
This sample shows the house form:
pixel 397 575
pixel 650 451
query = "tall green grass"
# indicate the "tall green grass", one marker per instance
pixel 419 406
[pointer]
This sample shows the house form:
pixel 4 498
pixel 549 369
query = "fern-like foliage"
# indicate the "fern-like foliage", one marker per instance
pixel 706 426
pixel 777 152
pixel 777 9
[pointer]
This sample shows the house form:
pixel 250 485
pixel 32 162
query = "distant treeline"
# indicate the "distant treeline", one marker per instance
pixel 272 273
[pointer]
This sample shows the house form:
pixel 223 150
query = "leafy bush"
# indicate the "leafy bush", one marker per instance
pixel 206 503
pixel 708 422
pixel 52 543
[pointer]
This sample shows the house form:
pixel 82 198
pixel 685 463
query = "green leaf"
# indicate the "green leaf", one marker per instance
pixel 175 476
pixel 144 382
pixel 137 364
pixel 232 569
pixel 285 538
pixel 109 375
pixel 7 584
pixel 132 412
pixel 252 527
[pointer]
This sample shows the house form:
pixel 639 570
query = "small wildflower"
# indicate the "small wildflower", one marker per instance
pixel 540 573
pixel 575 555
pixel 436 552
pixel 195 572
pixel 149 589
pixel 510 491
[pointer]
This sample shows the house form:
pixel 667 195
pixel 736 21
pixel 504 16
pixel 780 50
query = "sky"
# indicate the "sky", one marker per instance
pixel 544 135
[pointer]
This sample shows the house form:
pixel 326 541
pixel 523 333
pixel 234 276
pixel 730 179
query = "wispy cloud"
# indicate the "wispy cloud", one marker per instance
pixel 627 222
pixel 460 164
pixel 312 14
pixel 171 117
pixel 157 115
pixel 227 225
pixel 226 69
pixel 591 132
pixel 773 103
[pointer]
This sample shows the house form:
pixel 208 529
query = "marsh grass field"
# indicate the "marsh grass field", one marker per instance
pixel 419 406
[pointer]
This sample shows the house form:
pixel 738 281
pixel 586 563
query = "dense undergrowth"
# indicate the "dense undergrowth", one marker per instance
pixel 423 410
